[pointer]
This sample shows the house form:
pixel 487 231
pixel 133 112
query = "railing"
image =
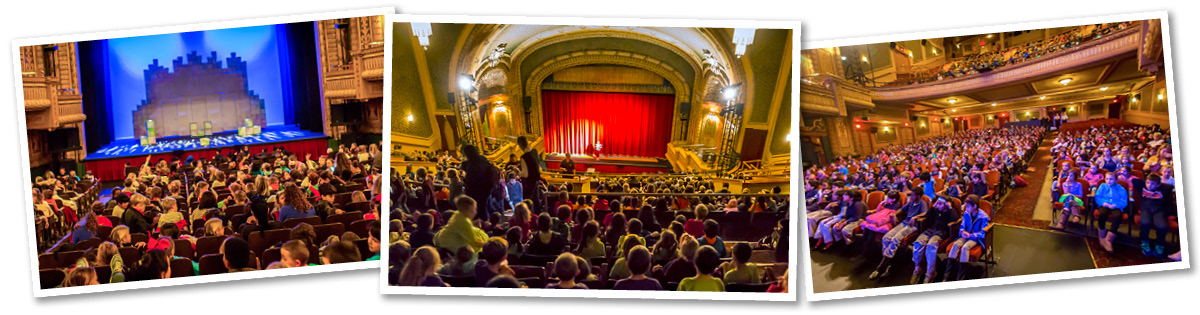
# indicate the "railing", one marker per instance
pixel 1121 42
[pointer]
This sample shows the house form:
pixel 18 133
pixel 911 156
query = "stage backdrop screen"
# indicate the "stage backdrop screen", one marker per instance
pixel 126 59
pixel 625 124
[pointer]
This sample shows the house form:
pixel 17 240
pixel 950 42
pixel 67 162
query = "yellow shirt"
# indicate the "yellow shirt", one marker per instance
pixel 698 283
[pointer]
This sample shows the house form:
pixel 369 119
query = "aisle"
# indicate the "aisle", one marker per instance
pixel 1020 204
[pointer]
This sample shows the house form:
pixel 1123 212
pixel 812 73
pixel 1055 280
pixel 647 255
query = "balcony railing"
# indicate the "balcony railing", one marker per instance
pixel 1125 41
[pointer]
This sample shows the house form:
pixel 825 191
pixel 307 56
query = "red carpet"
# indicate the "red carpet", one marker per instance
pixel 1018 206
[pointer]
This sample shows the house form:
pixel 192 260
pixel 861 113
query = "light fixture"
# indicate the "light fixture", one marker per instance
pixel 409 118
pixel 864 58
pixel 742 37
pixel 729 92
pixel 957 45
pixel 990 117
pixel 993 104
pixel 422 31
pixel 910 54
pixel 1135 99
pixel 954 110
pixel 1026 113
pixel 885 129
pixel 466 82
pixel 788 137
pixel 843 58
pixel 857 126
pixel 1160 96
pixel 989 35
pixel 1064 81
pixel 952 100
pixel 1104 89
pixel 1042 98
pixel 934 51
pixel 922 125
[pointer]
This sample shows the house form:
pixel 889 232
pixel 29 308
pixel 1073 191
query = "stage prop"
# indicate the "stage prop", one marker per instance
pixel 109 162
pixel 624 124
pixel 197 99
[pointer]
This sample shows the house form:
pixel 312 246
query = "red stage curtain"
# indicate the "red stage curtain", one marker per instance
pixel 624 123
pixel 113 169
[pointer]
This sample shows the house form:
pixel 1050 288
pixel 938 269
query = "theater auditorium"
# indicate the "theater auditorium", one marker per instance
pixel 988 155
pixel 206 152
pixel 590 157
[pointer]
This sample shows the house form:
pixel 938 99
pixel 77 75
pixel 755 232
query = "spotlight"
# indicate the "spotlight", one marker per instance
pixel 730 93
pixel 466 82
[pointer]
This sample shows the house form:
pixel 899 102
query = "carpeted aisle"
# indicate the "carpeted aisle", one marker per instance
pixel 1020 203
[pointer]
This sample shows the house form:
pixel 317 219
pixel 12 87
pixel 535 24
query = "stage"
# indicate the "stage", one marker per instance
pixel 607 164
pixel 108 163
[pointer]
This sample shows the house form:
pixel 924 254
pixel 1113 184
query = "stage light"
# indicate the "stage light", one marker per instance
pixel 952 100
pixel 410 117
pixel 729 93
pixel 1064 81
pixel 1104 89
pixel 466 82
pixel 422 31
pixel 742 37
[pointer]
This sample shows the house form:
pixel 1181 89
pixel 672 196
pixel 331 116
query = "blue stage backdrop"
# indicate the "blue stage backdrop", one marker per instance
pixel 281 69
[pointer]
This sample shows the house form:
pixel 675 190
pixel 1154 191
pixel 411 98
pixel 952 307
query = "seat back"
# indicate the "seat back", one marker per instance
pixel 181 267
pixel 67 259
pixel 293 222
pixel 272 254
pixel 208 245
pixel 362 206
pixel 51 278
pixel 47 261
pixel 212 264
pixel 362 227
pixel 88 244
pixel 130 255
pixel 747 287
pixel 183 248
pixel 324 231
pixel 345 218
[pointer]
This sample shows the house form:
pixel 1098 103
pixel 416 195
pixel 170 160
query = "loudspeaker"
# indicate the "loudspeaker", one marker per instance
pixel 685 107
pixel 874 129
pixel 527 101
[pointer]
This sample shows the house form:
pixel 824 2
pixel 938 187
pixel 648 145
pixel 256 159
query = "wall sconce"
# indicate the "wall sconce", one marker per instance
pixel 1160 96
pixel 409 118
pixel 422 31
pixel 886 129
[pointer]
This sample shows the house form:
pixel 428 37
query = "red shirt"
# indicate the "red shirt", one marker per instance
pixel 694 227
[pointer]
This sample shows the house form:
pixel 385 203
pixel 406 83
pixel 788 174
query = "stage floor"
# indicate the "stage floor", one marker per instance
pixel 132 147
pixel 611 164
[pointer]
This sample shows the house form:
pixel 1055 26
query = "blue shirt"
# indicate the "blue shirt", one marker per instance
pixel 287 212
pixel 1112 194
pixel 515 193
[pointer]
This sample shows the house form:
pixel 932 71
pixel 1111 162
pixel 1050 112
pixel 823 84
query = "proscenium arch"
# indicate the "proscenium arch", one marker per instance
pixel 533 85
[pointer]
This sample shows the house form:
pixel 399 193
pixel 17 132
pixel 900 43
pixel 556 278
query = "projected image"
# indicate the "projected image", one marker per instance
pixel 206 152
pixel 590 157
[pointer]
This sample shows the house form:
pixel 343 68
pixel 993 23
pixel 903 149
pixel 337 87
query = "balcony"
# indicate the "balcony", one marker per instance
pixel 1123 42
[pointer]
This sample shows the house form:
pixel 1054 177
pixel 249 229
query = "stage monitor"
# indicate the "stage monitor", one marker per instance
pixel 348 113
pixel 63 140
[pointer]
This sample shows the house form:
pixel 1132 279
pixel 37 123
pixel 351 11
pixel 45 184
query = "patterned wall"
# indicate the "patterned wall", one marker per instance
pixel 765 55
pixel 407 96
pixel 783 122
pixel 441 46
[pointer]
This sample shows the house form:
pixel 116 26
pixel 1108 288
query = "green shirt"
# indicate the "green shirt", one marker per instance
pixel 459 232
pixel 594 248
pixel 744 274
pixel 620 269
pixel 701 283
